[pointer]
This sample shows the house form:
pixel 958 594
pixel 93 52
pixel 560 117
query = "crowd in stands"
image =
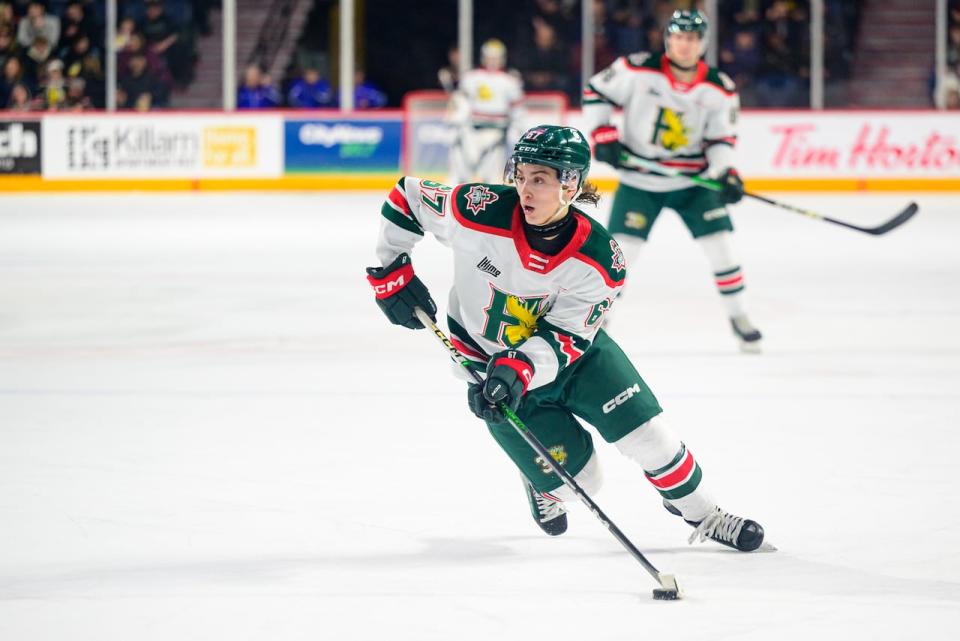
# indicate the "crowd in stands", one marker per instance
pixel 763 44
pixel 951 83
pixel 52 53
pixel 306 90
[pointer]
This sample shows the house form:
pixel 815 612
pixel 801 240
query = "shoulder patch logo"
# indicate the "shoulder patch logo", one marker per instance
pixel 478 198
pixel 619 263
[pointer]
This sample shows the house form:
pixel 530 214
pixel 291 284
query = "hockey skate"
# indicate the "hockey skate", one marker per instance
pixel 725 528
pixel 749 336
pixel 547 510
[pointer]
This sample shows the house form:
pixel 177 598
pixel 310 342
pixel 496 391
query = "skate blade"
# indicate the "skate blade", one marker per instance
pixel 766 547
pixel 751 348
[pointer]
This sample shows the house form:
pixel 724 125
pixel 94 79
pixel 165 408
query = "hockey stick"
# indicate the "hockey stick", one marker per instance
pixel 630 161
pixel 668 590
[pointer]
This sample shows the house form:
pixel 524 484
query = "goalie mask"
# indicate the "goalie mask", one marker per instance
pixel 563 148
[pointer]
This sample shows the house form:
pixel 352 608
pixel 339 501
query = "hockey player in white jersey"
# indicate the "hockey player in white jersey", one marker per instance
pixel 487 109
pixel 681 113
pixel 533 278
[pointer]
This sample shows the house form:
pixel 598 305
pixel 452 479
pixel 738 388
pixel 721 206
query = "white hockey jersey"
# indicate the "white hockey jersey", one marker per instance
pixel 491 98
pixel 506 294
pixel 685 126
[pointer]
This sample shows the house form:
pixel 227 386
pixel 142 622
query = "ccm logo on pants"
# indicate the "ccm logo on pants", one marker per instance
pixel 621 398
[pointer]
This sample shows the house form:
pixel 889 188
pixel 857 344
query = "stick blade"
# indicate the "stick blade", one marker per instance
pixel 668 590
pixel 897 220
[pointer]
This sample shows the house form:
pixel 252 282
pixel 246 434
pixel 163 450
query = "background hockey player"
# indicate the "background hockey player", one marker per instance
pixel 683 114
pixel 487 109
pixel 533 278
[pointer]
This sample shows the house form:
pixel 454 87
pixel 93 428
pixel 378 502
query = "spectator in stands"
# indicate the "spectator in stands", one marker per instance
pixel 777 82
pixel 740 59
pixel 20 98
pixel 156 67
pixel 257 90
pixel 8 44
pixel 76 24
pixel 35 58
pixel 310 91
pixel 449 76
pixel 12 75
pixel 125 30
pixel 77 99
pixel 545 66
pixel 167 39
pixel 628 29
pixel 38 23
pixel 138 89
pixel 91 71
pixel 8 18
pixel 366 95
pixel 53 91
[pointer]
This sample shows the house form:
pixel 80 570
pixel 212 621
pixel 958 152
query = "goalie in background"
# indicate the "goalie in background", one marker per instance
pixel 487 111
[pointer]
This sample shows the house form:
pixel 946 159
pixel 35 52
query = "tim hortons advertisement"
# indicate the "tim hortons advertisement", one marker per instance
pixel 19 147
pixel 849 145
pixel 162 146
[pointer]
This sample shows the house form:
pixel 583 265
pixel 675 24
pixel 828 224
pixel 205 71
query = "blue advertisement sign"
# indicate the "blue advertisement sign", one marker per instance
pixel 320 145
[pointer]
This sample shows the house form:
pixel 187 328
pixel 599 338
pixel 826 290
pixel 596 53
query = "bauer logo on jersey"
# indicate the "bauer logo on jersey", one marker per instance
pixel 478 198
pixel 510 319
pixel 669 131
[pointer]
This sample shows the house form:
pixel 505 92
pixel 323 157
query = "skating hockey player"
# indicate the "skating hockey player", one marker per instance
pixel 487 109
pixel 681 113
pixel 533 278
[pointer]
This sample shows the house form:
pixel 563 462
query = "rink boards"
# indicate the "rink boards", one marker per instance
pixel 798 150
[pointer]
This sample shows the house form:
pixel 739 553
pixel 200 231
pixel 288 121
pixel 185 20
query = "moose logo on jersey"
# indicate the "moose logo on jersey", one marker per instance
pixel 558 453
pixel 669 132
pixel 512 319
pixel 478 198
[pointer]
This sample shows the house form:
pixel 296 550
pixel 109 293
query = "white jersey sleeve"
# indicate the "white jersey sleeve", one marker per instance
pixel 568 329
pixel 606 90
pixel 412 207
pixel 720 130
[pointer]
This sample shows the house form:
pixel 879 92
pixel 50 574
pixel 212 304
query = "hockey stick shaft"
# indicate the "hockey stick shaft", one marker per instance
pixel 630 161
pixel 665 580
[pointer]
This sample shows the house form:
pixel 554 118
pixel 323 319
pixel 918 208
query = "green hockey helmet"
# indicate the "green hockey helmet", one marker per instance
pixel 688 21
pixel 563 148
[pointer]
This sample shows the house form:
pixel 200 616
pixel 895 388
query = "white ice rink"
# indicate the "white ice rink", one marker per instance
pixel 208 432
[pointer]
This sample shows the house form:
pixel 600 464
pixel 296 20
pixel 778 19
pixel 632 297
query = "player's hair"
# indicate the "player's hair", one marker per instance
pixel 589 194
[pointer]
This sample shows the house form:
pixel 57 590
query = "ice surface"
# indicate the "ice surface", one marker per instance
pixel 208 431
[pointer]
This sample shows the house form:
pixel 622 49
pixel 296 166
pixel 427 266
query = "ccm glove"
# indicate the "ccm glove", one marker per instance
pixel 606 144
pixel 508 375
pixel 732 190
pixel 399 291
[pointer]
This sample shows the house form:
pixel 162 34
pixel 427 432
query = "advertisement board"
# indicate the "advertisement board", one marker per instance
pixel 321 145
pixel 833 149
pixel 853 144
pixel 20 151
pixel 162 146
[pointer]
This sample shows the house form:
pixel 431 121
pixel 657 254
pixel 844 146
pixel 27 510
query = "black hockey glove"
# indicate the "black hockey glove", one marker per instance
pixel 606 144
pixel 508 375
pixel 732 190
pixel 399 291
